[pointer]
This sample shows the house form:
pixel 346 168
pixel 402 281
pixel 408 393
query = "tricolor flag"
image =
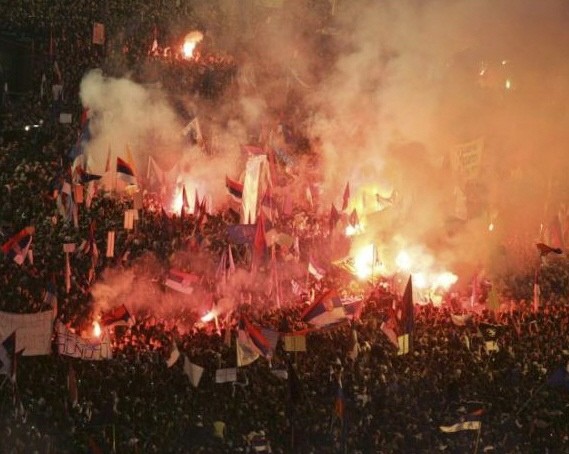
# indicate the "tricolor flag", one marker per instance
pixel 125 169
pixel 245 349
pixel 116 316
pixel 17 246
pixel 234 187
pixel 315 269
pixel 326 310
pixel 181 282
pixel 353 308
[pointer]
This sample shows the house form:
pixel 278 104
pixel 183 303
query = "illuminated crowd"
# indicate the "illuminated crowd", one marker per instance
pixel 136 403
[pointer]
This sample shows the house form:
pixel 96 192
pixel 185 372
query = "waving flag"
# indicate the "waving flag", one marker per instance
pixel 234 187
pixel 116 316
pixel 545 250
pixel 334 217
pixel 125 169
pixel 406 320
pixel 181 282
pixel 315 269
pixel 326 310
pixel 17 246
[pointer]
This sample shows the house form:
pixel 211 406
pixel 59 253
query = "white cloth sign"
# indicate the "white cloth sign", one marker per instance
pixel 33 331
pixel 71 344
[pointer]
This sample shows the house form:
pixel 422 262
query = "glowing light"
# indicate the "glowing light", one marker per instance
pixel 352 230
pixel 208 317
pixel 96 329
pixel 365 262
pixel 445 280
pixel 420 280
pixel 403 261
pixel 491 227
pixel 177 203
pixel 508 84
pixel 190 42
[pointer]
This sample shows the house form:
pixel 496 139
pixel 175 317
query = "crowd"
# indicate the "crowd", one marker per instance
pixel 136 403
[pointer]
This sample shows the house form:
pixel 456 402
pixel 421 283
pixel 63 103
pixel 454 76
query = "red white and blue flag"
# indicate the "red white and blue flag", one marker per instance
pixel 181 282
pixel 326 310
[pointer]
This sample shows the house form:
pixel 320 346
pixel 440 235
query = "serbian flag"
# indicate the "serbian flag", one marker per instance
pixel 117 316
pixel 353 308
pixel 259 241
pixel 261 343
pixel 180 281
pixel 124 168
pixel 234 187
pixel 17 246
pixel 326 310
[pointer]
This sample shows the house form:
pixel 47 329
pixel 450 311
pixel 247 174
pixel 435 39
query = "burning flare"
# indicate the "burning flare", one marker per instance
pixel 96 329
pixel 190 42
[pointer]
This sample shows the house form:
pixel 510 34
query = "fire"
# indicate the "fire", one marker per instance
pixel 366 262
pixel 491 227
pixel 403 261
pixel 177 203
pixel 445 280
pixel 190 42
pixel 96 329
pixel 208 317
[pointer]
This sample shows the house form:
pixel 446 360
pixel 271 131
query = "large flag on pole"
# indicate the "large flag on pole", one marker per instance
pixel 406 320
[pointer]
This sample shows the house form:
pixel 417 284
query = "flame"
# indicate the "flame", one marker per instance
pixel 96 329
pixel 403 261
pixel 176 205
pixel 190 42
pixel 491 227
pixel 208 317
pixel 445 280
pixel 365 262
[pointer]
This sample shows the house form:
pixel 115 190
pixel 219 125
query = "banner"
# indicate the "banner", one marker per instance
pixel 129 219
pixel 110 243
pixel 255 183
pixel 33 331
pixel 468 158
pixel 226 375
pixel 71 344
pixel 294 343
pixel 98 33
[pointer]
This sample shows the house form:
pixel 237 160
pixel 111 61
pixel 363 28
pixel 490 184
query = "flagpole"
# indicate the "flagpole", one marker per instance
pixel 477 439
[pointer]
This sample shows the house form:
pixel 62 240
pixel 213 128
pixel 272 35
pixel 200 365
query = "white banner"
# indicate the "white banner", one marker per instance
pixel 226 375
pixel 33 331
pixel 71 344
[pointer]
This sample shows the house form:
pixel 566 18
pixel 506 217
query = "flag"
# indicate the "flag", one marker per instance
pixel 388 328
pixel 354 348
pixel 334 217
pixel 545 250
pixel 18 245
pixel 67 273
pixel 185 201
pixel 406 320
pixel 536 291
pixel 8 356
pixel 346 197
pixel 354 219
pixel 559 379
pixel 180 281
pixel 465 425
pixel 246 354
pixel 234 187
pixel 315 269
pixel 116 316
pixel 258 341
pixel 124 168
pixel 130 160
pixel 193 372
pixel 294 343
pixel 110 243
pixel 34 331
pixel 353 308
pixel 460 319
pixel 490 333
pixel 174 356
pixel 474 294
pixel 326 310
pixel 72 385
pixel 259 242
pixel 226 375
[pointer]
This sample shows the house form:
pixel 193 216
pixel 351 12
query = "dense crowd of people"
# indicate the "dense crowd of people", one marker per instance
pixel 350 391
